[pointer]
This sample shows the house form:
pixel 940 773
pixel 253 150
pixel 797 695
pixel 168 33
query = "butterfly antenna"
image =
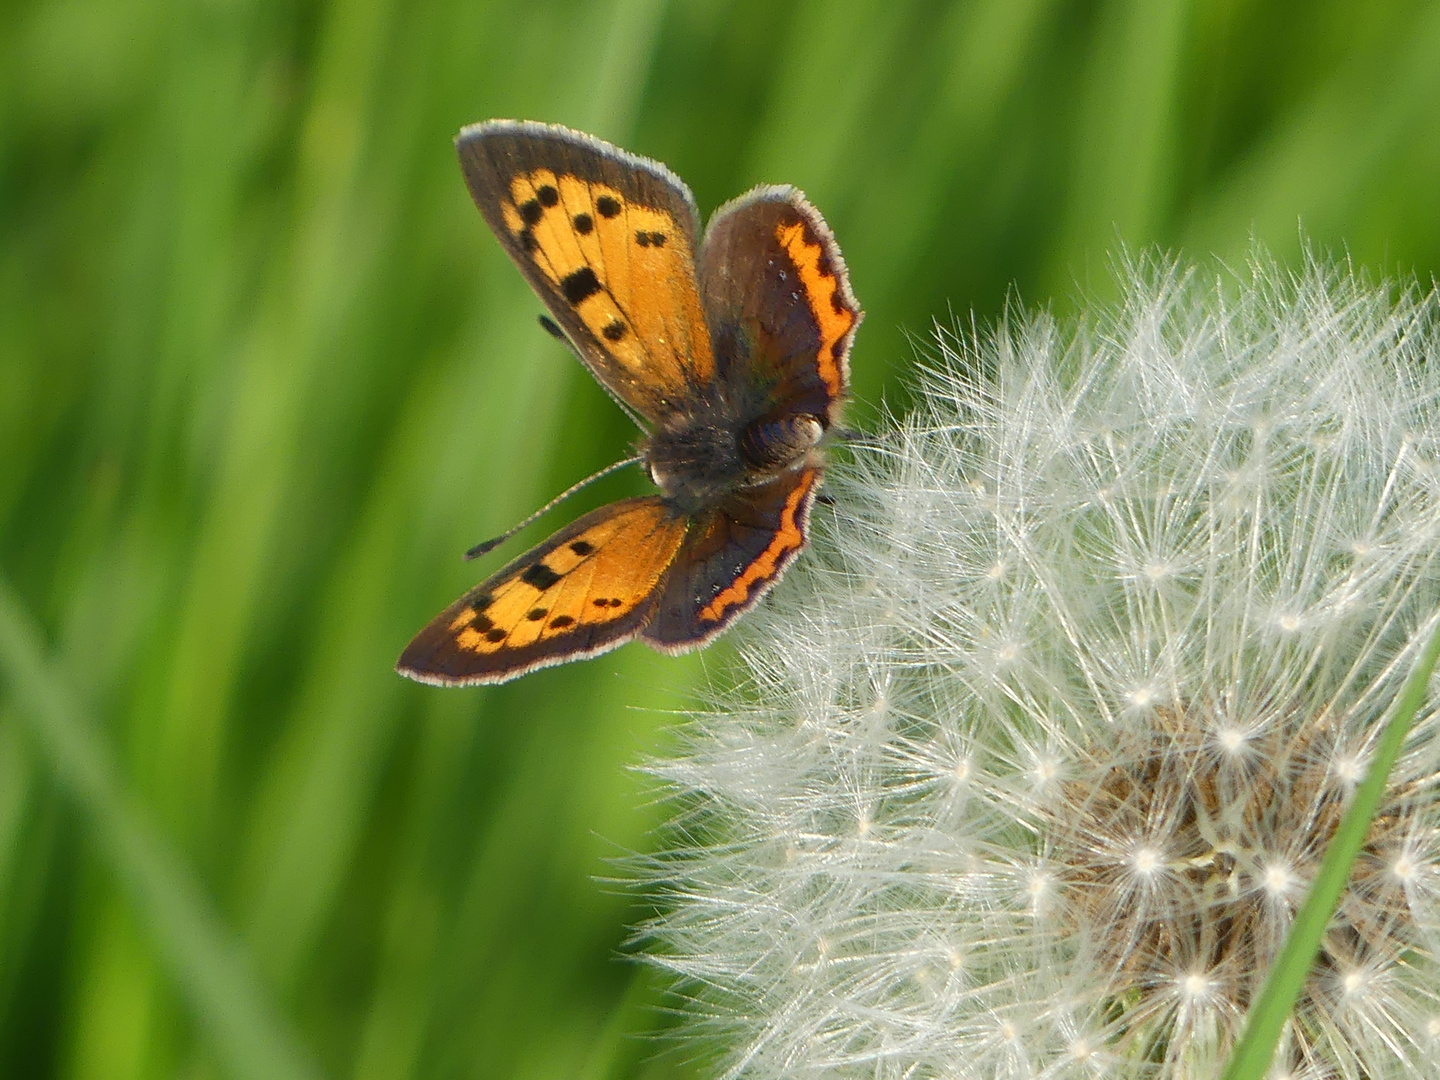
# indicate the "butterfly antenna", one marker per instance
pixel 489 545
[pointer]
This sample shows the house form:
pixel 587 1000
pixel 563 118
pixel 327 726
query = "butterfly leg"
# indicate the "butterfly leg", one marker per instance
pixel 852 437
pixel 553 329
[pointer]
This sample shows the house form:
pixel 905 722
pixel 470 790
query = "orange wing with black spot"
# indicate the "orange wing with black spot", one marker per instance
pixel 731 558
pixel 592 586
pixel 778 300
pixel 607 239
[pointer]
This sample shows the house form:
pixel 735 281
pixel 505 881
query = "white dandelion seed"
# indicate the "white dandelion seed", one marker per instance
pixel 1032 760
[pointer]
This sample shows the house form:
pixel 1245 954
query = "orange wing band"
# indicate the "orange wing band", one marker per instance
pixel 789 537
pixel 822 291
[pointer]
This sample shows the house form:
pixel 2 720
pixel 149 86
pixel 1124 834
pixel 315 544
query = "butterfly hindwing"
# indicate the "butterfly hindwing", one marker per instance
pixel 607 239
pixel 590 587
pixel 778 298
pixel 731 557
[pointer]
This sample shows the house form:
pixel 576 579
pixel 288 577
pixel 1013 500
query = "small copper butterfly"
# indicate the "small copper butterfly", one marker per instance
pixel 730 352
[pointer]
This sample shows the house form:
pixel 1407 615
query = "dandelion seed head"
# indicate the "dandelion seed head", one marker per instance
pixel 1196 988
pixel 1147 860
pixel 1046 769
pixel 1142 697
pixel 1026 767
pixel 1279 882
pixel 1353 983
pixel 1039 885
pixel 1231 739
pixel 1349 770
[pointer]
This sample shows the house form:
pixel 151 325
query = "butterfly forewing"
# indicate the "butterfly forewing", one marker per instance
pixel 592 586
pixel 607 239
pixel 778 298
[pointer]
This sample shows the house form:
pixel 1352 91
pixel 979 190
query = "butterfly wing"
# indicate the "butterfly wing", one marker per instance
pixel 592 586
pixel 607 240
pixel 778 299
pixel 731 557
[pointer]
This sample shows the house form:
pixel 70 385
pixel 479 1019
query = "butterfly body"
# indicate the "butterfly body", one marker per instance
pixel 731 351
pixel 723 446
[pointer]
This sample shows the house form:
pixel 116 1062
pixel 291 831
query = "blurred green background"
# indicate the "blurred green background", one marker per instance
pixel 264 375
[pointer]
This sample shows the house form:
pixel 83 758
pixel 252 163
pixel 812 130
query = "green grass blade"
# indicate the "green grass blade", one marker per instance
pixel 207 963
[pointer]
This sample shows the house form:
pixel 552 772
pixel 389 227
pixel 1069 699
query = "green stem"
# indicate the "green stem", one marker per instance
pixel 1256 1047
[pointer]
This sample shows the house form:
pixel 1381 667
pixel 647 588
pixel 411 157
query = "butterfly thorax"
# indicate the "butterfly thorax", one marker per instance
pixel 698 458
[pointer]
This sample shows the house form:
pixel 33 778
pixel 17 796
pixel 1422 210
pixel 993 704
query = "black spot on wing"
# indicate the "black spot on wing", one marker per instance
pixel 496 635
pixel 548 196
pixel 614 330
pixel 539 576
pixel 582 547
pixel 584 224
pixel 561 621
pixel 531 212
pixel 536 614
pixel 580 286
pixel 608 206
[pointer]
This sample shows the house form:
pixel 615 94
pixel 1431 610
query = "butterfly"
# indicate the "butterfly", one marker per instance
pixel 730 350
